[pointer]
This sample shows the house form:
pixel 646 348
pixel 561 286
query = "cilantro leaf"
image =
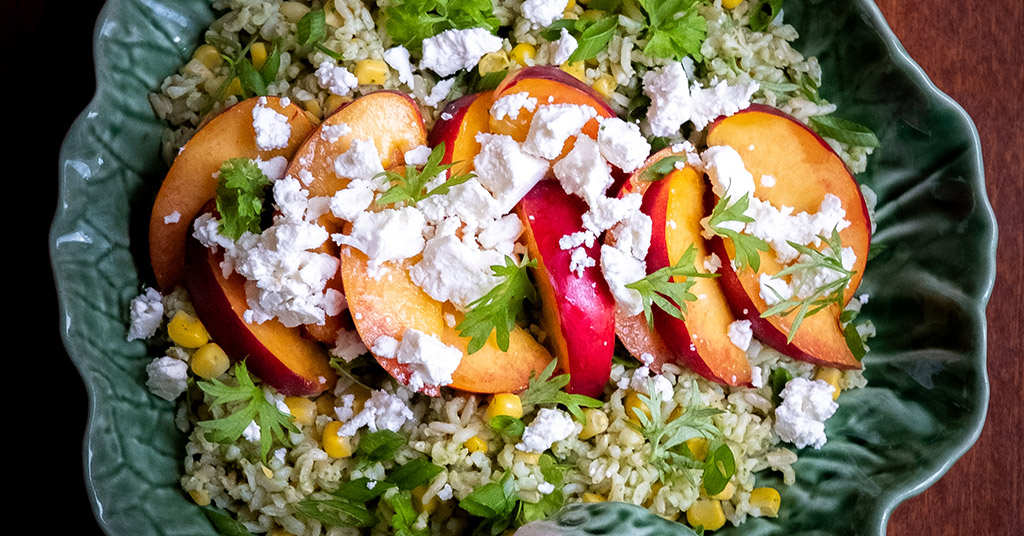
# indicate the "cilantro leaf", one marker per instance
pixel 251 81
pixel 312 27
pixel 746 246
pixel 273 423
pixel 409 22
pixel 411 187
pixel 241 189
pixel 492 500
pixel 547 389
pixel 359 490
pixel 417 472
pixel 660 288
pixel 675 28
pixel 778 380
pixel 498 309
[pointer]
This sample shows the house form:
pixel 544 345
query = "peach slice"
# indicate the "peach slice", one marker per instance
pixel 549 85
pixel 805 168
pixel 278 355
pixel 676 206
pixel 460 122
pixel 578 310
pixel 190 182
pixel 390 303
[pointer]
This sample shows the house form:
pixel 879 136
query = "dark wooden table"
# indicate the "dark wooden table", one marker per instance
pixel 972 53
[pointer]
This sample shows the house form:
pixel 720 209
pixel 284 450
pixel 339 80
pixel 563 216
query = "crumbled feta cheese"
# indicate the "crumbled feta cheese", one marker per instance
pixel 510 105
pixel 167 377
pixel 606 212
pixel 712 263
pixel 337 80
pixel 756 377
pixel 385 346
pixel 728 175
pixel 779 227
pixel 417 156
pixel 767 180
pixel 469 201
pixel 453 50
pixel 352 200
pixel 622 144
pixel 272 129
pixel 579 261
pixel 451 270
pixel 563 48
pixel 146 313
pixel 501 234
pixel 333 133
pixel 552 125
pixel 633 234
pixel 173 217
pixel 806 405
pixel 348 345
pixel 721 99
pixel 642 378
pixel 577 239
pixel 740 333
pixel 541 13
pixel 674 101
pixel 398 59
pixel 383 411
pixel 388 235
pixel 440 92
pixel 505 170
pixel 274 168
pixel 583 172
pixel 546 488
pixel 773 290
pixel 430 362
pixel 360 161
pixel 252 432
pixel 548 427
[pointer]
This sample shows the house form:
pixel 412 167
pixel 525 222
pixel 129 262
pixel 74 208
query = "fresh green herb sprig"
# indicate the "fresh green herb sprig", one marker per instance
pixel 411 187
pixel 670 296
pixel 661 168
pixel 592 36
pixel 409 22
pixel 845 131
pixel 273 423
pixel 498 310
pixel 675 28
pixel 819 298
pixel 747 246
pixel 252 81
pixel 496 502
pixel 241 190
pixel 853 339
pixel 311 31
pixel 548 389
pixel 668 437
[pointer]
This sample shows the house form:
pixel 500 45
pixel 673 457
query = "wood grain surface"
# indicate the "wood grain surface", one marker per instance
pixel 971 50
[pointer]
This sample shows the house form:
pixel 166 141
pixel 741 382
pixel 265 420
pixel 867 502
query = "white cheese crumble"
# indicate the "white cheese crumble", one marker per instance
pixel 552 125
pixel 274 168
pixel 806 405
pixel 173 217
pixel 333 133
pixel 505 170
pixel 674 101
pixel 546 488
pixel 167 377
pixel 740 333
pixel 622 144
pixel 398 59
pixel 417 156
pixel 548 427
pixel 712 263
pixel 430 361
pixel 146 313
pixel 510 105
pixel 541 13
pixel 642 379
pixel 338 80
pixel 583 172
pixel 352 200
pixel 773 291
pixel 348 345
pixel 454 271
pixel 388 235
pixel 453 50
pixel 383 411
pixel 439 92
pixel 563 48
pixel 360 161
pixel 579 261
pixel 272 129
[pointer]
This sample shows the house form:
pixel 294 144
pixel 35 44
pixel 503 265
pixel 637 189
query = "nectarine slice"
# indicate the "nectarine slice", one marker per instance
pixel 460 122
pixel 701 341
pixel 190 182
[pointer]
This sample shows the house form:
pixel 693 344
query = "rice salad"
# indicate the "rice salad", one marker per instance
pixel 370 454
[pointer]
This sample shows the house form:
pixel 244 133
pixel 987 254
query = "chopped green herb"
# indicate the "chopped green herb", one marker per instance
pixel 594 38
pixel 545 389
pixel 273 423
pixel 719 468
pixel 409 22
pixel 844 131
pixel 746 246
pixel 498 309
pixel 360 491
pixel 336 512
pixel 675 28
pixel 224 523
pixel 853 339
pixel 252 82
pixel 671 296
pixel 271 65
pixel 380 445
pixel 417 472
pixel 658 142
pixel 241 189
pixel 763 13
pixel 487 82
pixel 355 368
pixel 312 27
pixel 496 502
pixel 608 6
pixel 411 188
pixel 659 169
pixel 778 380
pixel 508 425
pixel 405 515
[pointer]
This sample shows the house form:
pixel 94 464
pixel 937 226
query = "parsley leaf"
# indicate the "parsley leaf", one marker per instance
pixel 746 246
pixel 273 423
pixel 671 296
pixel 668 438
pixel 594 38
pixel 411 188
pixel 417 472
pixel 409 22
pixel 508 425
pixel 545 389
pixel 675 28
pixel 498 309
pixel 405 515
pixel 241 189
pixel 336 512
pixel 831 292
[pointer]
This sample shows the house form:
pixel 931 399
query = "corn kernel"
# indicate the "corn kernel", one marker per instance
pixel 698 447
pixel 727 492
pixel 504 404
pixel 325 404
pixel 596 423
pixel 267 472
pixel 336 446
pixel 577 69
pixel 707 513
pixel 632 403
pixel 493 62
pixel 314 119
pixel 593 14
pixel 605 85
pixel 200 496
pixel 332 16
pixel 830 376
pixel 767 500
pixel 476 444
pixel 417 500
pixel 210 361
pixel 234 87
pixel 302 408
pixel 730 4
pixel 334 102
pixel 676 413
pixel 209 56
pixel 521 52
pixel 293 11
pixel 371 72
pixel 258 53
pixel 593 498
pixel 527 458
pixel 312 106
pixel 187 331
pixel 570 5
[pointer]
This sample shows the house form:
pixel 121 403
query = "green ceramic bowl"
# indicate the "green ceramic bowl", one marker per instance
pixel 928 391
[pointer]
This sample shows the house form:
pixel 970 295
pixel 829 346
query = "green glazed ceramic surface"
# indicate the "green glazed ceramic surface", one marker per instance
pixel 928 392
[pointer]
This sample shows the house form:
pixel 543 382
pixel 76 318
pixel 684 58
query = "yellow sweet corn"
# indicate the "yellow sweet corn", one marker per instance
pixel 210 361
pixel 209 56
pixel 258 53
pixel 767 500
pixel 577 69
pixel 371 72
pixel 336 446
pixel 312 106
pixel 633 402
pixel 476 444
pixel 303 409
pixel 698 447
pixel 593 14
pixel 521 52
pixel 417 500
pixel 830 376
pixel 334 102
pixel 593 498
pixel 504 404
pixel 200 496
pixel 597 422
pixel 727 492
pixel 730 4
pixel 493 62
pixel 187 331
pixel 527 458
pixel 707 513
pixel 234 87
pixel 325 404
pixel 605 85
